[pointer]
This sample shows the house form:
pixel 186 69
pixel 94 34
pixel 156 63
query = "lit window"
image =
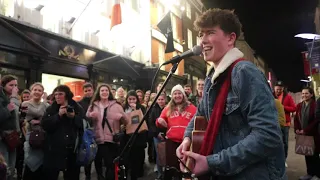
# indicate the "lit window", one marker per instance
pixel 188 10
pixel 160 11
pixel 190 43
pixel 174 26
pixel 161 55
pixel 198 40
pixel 175 54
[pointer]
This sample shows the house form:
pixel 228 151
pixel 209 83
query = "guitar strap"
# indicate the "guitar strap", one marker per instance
pixel 217 112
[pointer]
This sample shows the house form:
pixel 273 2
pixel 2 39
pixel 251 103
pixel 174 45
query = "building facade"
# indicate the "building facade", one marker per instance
pixel 75 45
pixel 195 67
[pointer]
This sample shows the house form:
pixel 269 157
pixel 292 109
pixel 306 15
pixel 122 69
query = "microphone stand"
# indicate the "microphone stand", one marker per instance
pixel 146 115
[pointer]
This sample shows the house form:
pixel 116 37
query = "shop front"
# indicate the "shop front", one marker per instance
pixel 36 55
pixel 147 75
pixel 195 68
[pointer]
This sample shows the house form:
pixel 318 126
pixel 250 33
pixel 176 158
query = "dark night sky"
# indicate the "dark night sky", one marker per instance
pixel 269 27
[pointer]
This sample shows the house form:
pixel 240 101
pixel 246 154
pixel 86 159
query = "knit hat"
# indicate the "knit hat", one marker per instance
pixel 179 88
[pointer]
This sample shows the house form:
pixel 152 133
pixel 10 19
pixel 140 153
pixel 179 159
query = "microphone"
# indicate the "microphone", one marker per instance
pixel 195 51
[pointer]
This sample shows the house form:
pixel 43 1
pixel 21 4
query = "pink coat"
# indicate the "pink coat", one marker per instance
pixel 115 113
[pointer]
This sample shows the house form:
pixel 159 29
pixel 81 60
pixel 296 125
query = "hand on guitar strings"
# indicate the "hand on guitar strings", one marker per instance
pixel 200 165
pixel 184 146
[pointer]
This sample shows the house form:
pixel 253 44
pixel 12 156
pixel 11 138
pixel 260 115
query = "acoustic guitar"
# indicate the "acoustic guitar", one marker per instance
pixel 199 129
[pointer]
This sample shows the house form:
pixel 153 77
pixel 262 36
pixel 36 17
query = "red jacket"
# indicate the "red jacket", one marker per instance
pixel 289 107
pixel 177 122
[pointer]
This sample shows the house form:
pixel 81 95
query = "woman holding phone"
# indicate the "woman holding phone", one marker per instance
pixel 64 126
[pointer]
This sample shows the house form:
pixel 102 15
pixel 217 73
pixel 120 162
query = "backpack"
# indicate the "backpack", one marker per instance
pixel 88 148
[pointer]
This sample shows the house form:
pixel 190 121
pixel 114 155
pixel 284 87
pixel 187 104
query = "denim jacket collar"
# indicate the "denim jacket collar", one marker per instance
pixel 231 56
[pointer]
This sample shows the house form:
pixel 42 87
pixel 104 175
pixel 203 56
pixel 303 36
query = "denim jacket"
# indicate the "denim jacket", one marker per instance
pixel 249 144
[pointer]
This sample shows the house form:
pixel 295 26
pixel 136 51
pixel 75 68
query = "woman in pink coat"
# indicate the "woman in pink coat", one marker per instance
pixel 107 115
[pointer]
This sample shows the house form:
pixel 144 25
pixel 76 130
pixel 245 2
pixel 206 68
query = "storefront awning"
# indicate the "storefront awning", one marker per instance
pixel 120 65
pixel 12 39
pixel 40 41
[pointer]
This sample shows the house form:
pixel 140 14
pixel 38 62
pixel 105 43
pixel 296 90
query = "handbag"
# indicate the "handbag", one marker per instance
pixel 304 145
pixel 12 139
pixel 36 139
pixel 116 137
pixel 135 119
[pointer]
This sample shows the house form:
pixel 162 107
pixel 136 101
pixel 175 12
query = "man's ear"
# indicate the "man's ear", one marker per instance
pixel 232 38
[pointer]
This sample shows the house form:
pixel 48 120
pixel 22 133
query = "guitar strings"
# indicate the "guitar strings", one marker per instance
pixel 184 165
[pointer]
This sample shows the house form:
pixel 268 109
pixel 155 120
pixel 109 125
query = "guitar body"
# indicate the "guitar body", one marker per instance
pixel 200 126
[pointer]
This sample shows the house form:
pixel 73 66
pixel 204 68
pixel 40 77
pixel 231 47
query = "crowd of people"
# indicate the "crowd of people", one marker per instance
pixel 34 112
pixel 246 136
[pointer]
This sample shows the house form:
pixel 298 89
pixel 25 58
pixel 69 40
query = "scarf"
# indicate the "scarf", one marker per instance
pixel 216 115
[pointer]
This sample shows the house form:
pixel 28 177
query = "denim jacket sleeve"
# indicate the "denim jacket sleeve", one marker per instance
pixel 258 108
pixel 200 112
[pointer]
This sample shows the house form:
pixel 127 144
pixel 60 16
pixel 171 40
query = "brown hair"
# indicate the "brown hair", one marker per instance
pixel 139 90
pixel 96 96
pixel 26 91
pixel 172 105
pixel 225 19
pixel 87 85
pixel 187 86
pixel 6 79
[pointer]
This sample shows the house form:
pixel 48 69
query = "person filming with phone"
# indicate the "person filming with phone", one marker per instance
pixel 63 124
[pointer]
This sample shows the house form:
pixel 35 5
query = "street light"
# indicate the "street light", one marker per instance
pixel 312 37
pixel 308 36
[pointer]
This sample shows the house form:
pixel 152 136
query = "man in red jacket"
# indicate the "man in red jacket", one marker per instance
pixel 289 107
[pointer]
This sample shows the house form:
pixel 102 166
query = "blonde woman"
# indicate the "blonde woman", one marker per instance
pixel 34 109
pixel 175 117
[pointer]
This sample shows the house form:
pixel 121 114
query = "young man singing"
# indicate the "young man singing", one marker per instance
pixel 243 137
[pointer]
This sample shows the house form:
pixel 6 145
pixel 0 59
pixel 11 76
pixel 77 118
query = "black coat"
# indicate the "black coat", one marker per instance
pixel 61 135
pixel 154 115
pixel 85 103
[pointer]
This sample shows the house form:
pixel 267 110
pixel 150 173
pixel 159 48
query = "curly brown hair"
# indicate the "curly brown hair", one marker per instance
pixel 225 19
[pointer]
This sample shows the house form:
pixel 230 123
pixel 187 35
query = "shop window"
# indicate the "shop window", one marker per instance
pixel 22 81
pixel 50 82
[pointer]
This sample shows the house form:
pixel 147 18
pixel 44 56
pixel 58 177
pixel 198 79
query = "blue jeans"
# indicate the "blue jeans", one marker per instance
pixel 10 158
pixel 285 138
pixel 156 142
